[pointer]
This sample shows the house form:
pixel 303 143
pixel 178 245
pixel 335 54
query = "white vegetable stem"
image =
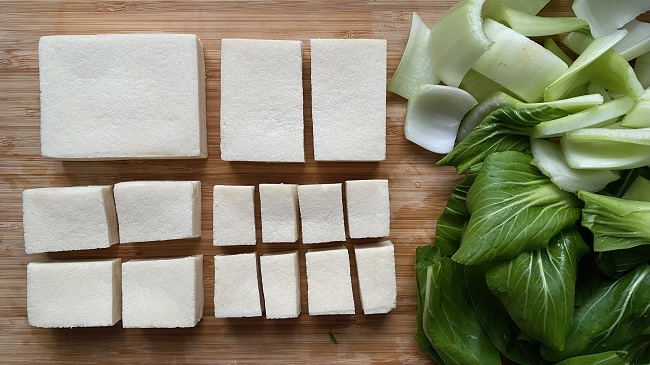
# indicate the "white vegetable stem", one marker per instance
pixel 482 110
pixel 604 155
pixel 636 42
pixel 639 115
pixel 433 115
pixel 642 69
pixel 605 16
pixel 628 135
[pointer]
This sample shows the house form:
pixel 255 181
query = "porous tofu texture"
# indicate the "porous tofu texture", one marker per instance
pixel 74 293
pixel 376 272
pixel 368 207
pixel 236 288
pixel 261 101
pixel 162 293
pixel 158 210
pixel 329 286
pixel 233 215
pixel 281 284
pixel 279 206
pixel 321 213
pixel 69 218
pixel 122 96
pixel 348 80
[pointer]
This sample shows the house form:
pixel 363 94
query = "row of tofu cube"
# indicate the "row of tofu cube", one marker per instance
pixel 124 96
pixel 77 218
pixel 168 293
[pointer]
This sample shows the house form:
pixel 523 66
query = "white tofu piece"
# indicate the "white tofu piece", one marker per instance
pixel 236 288
pixel 233 215
pixel 368 207
pixel 69 218
pixel 376 272
pixel 279 203
pixel 348 83
pixel 261 101
pixel 281 284
pixel 329 286
pixel 321 212
pixel 122 96
pixel 74 293
pixel 162 293
pixel 158 210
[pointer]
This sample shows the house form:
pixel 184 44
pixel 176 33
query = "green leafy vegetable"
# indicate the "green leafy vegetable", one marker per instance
pixel 603 358
pixel 424 257
pixel 538 287
pixel 605 16
pixel 505 129
pixel 479 112
pixel 639 190
pixel 537 26
pixel 638 351
pixel 416 68
pixel 616 263
pixel 514 208
pixel 615 222
pixel 611 318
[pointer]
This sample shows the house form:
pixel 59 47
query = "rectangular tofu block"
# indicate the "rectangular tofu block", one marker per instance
pixel 368 207
pixel 69 218
pixel 162 293
pixel 281 284
pixel 329 286
pixel 158 210
pixel 348 83
pixel 321 213
pixel 122 96
pixel 279 203
pixel 261 101
pixel 74 293
pixel 236 288
pixel 233 215
pixel 376 271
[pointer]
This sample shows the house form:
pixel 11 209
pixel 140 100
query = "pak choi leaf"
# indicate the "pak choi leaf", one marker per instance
pixel 514 208
pixel 537 287
pixel 605 16
pixel 609 319
pixel 638 351
pixel 618 262
pixel 639 190
pixel 424 257
pixel 603 358
pixel 537 26
pixel 482 110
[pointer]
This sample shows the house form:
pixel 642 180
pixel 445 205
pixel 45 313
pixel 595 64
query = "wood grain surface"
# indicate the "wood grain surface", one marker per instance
pixel 418 189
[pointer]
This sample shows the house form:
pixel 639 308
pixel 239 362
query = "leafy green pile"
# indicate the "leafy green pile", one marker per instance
pixel 542 253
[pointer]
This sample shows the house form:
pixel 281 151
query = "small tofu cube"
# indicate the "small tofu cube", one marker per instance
pixel 368 208
pixel 261 101
pixel 281 284
pixel 321 212
pixel 122 96
pixel 158 210
pixel 348 83
pixel 279 204
pixel 162 293
pixel 329 286
pixel 74 293
pixel 376 271
pixel 69 218
pixel 236 289
pixel 233 215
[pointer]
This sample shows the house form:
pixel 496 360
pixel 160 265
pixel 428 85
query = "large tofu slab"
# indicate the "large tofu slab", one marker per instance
pixel 348 82
pixel 321 213
pixel 281 284
pixel 329 285
pixel 122 96
pixel 69 218
pixel 368 206
pixel 74 293
pixel 279 206
pixel 261 101
pixel 376 271
pixel 158 210
pixel 236 288
pixel 162 293
pixel 233 215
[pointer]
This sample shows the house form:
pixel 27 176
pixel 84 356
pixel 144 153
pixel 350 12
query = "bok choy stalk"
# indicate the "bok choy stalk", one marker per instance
pixel 605 16
pixel 531 7
pixel 587 135
pixel 639 190
pixel 538 287
pixel 615 222
pixel 480 86
pixel 457 41
pixel 636 42
pixel 603 358
pixel 639 115
pixel 513 208
pixel 536 26
pixel 550 44
pixel 604 155
pixel 482 110
pixel 611 318
pixel 642 69
pixel 416 68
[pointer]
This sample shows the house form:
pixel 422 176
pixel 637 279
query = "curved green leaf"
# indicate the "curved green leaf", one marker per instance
pixel 638 351
pixel 603 358
pixel 537 287
pixel 611 318
pixel 424 257
pixel 514 208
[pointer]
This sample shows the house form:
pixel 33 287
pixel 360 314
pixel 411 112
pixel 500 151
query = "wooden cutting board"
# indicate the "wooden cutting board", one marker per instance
pixel 418 189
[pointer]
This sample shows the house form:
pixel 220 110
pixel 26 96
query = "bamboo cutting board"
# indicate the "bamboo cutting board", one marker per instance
pixel 418 189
